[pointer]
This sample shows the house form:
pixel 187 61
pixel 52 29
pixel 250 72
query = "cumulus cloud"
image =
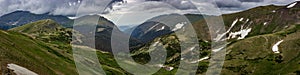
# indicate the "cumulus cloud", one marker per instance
pixel 251 0
pixel 135 11
pixel 226 6
pixel 138 9
pixel 56 7
pixel 70 7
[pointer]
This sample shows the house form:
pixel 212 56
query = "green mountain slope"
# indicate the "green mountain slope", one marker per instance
pixel 42 26
pixel 260 20
pixel 251 54
pixel 35 55
pixel 254 55
pixel 46 30
pixel 46 49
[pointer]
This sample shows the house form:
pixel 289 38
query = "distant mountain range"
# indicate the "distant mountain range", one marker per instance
pixel 150 30
pixel 19 18
pixel 103 32
pixel 262 40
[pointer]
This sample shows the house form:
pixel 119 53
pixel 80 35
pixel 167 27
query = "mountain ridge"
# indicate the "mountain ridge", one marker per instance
pixel 19 18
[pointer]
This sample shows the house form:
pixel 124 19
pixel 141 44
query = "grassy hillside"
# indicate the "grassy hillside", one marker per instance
pixel 46 30
pixel 41 26
pixel 45 58
pixel 255 56
pixel 262 20
pixel 250 55
pixel 35 55
pixel 54 40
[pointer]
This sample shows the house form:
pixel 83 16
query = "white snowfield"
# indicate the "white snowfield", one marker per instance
pixel 241 19
pixel 243 33
pixel 151 28
pixel 204 58
pixel 265 23
pixel 292 5
pixel 72 18
pixel 220 36
pixel 162 28
pixel 179 26
pixel 275 48
pixel 218 49
pixel 19 70
pixel 247 20
pixel 15 23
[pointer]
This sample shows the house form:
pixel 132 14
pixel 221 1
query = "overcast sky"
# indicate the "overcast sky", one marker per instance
pixel 132 12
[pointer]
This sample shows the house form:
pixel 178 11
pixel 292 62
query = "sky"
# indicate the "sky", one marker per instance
pixel 132 12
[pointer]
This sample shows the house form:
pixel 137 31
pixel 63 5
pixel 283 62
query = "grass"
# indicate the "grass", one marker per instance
pixel 34 55
pixel 254 55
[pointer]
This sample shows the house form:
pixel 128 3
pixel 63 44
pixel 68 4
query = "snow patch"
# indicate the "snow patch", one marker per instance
pixel 19 70
pixel 179 26
pixel 100 29
pixel 243 33
pixel 151 28
pixel 218 49
pixel 155 44
pixel 275 48
pixel 247 20
pixel 72 18
pixel 265 23
pixel 234 22
pixel 181 58
pixel 220 36
pixel 15 23
pixel 204 58
pixel 162 28
pixel 292 5
pixel 241 19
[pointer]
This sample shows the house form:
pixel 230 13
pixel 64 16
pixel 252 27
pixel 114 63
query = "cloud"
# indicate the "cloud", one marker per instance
pixel 70 7
pixel 154 7
pixel 137 10
pixel 251 0
pixel 56 7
